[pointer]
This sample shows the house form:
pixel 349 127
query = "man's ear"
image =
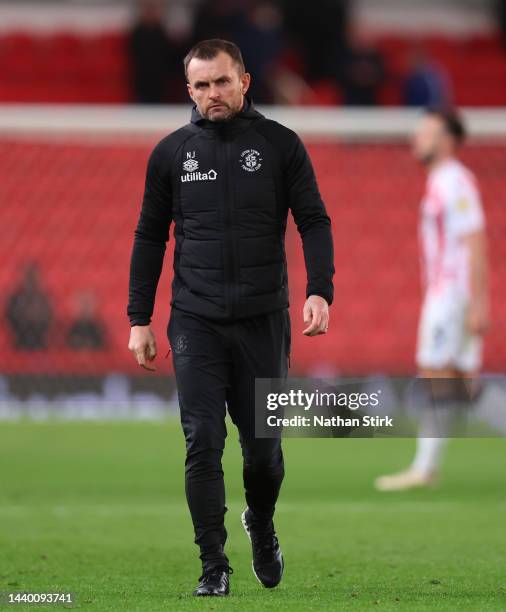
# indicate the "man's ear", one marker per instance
pixel 245 82
pixel 190 91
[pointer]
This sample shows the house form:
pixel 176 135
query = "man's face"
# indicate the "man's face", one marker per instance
pixel 216 86
pixel 431 141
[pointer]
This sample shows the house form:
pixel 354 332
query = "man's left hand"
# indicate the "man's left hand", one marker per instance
pixel 478 321
pixel 316 316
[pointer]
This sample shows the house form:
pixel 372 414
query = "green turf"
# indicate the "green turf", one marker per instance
pixel 99 509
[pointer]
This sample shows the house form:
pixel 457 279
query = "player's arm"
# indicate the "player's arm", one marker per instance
pixel 151 235
pixel 469 223
pixel 478 311
pixel 314 226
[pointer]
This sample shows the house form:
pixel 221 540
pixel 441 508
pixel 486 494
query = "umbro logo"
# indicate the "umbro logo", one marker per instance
pixel 191 165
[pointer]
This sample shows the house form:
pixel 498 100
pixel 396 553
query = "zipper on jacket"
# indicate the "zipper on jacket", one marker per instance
pixel 229 263
pixel 234 244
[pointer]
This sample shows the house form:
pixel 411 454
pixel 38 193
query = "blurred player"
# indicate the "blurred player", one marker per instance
pixel 454 314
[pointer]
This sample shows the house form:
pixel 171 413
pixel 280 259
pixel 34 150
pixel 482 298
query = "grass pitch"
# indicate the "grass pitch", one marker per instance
pixel 98 509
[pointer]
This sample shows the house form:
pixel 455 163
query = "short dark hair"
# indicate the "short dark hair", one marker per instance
pixel 209 49
pixel 452 122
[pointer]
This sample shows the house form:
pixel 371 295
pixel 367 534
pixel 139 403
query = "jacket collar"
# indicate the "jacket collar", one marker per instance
pixel 242 119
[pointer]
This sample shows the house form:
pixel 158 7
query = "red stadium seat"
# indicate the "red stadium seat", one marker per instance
pixel 68 67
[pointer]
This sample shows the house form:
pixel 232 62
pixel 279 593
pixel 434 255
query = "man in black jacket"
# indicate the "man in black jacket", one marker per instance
pixel 228 179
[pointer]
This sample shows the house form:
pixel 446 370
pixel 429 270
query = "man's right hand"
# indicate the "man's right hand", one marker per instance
pixel 143 346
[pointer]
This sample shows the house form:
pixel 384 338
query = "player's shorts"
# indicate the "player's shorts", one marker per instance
pixel 443 340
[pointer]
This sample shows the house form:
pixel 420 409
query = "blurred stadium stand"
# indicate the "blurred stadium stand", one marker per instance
pixel 78 52
pixel 72 174
pixel 71 194
pixel 72 67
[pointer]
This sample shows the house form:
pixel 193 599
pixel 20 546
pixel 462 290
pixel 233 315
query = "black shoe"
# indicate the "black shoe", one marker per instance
pixel 214 583
pixel 268 561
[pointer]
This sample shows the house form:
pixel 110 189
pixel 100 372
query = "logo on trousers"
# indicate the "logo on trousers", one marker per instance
pixel 180 343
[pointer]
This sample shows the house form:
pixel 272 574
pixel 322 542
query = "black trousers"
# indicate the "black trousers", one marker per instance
pixel 216 365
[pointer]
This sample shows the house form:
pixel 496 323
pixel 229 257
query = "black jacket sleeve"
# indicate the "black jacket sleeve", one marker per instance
pixel 312 221
pixel 150 239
